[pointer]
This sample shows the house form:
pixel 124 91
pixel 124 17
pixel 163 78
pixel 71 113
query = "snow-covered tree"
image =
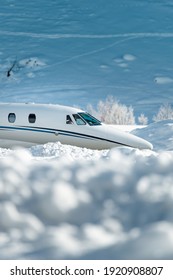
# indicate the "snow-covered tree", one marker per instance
pixel 142 119
pixel 111 111
pixel 165 112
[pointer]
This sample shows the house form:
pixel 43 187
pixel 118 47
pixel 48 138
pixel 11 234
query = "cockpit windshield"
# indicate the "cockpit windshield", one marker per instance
pixel 89 119
pixel 83 119
pixel 78 119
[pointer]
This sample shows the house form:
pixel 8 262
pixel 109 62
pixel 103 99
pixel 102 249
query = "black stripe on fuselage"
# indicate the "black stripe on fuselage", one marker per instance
pixel 61 132
pixel 76 134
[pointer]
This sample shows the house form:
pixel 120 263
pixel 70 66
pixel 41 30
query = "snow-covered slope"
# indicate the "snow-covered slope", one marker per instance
pixel 72 53
pixel 159 133
pixel 64 202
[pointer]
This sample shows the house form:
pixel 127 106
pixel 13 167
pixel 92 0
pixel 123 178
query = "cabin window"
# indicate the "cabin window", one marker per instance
pixel 78 120
pixel 68 120
pixel 11 117
pixel 89 119
pixel 32 118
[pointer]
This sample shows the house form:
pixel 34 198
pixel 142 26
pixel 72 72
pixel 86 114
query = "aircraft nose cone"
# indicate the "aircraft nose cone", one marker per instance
pixel 140 143
pixel 145 144
pixel 150 146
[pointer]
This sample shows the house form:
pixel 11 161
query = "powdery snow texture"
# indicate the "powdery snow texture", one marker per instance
pixel 63 202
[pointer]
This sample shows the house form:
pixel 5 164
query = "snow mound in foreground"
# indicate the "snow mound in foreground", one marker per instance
pixel 115 206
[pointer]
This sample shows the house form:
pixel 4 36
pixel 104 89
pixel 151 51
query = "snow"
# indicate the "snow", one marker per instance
pixel 74 54
pixel 163 80
pixel 159 133
pixel 64 202
pixel 129 57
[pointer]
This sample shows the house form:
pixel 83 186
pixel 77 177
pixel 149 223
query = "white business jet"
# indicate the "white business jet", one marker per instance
pixel 27 124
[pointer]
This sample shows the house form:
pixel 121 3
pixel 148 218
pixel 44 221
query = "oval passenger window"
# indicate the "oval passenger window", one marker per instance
pixel 32 118
pixel 11 117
